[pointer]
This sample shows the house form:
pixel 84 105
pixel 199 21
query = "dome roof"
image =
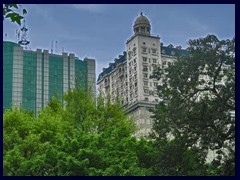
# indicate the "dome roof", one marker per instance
pixel 142 25
pixel 142 20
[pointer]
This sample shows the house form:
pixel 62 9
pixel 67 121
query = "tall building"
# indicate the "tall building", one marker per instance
pixel 31 78
pixel 128 78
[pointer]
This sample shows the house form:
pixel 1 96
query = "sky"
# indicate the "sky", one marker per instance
pixel 100 31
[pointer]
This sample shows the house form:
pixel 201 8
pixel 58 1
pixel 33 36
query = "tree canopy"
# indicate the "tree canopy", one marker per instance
pixel 82 139
pixel 198 100
pixel 85 138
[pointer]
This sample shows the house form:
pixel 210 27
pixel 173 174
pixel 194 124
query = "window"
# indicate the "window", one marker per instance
pixel 145 68
pixel 144 59
pixel 154 51
pixel 156 100
pixel 154 60
pixel 164 63
pixel 130 54
pixel 163 51
pixel 134 51
pixel 155 84
pixel 151 92
pixel 145 83
pixel 144 50
pixel 173 53
pixel 146 91
pixel 146 99
pixel 145 75
pixel 144 43
pixel 134 60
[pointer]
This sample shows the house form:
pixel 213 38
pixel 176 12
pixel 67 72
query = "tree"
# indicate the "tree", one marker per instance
pixel 172 158
pixel 198 98
pixel 10 11
pixel 81 140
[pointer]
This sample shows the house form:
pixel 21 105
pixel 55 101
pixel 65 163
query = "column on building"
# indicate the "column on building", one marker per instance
pixel 17 80
pixel 65 72
pixel 46 78
pixel 91 75
pixel 72 71
pixel 39 81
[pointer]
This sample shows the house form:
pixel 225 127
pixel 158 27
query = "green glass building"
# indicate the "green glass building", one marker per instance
pixel 31 78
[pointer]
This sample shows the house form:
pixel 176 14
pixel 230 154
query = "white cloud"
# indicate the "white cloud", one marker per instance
pixel 95 8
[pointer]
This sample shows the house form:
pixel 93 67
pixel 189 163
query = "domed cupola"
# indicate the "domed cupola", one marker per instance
pixel 142 25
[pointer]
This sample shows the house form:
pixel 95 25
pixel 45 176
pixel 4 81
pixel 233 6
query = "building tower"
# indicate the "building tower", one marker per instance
pixel 128 78
pixel 143 53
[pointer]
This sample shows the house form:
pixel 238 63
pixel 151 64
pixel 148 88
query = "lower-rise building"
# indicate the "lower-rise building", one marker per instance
pixel 31 78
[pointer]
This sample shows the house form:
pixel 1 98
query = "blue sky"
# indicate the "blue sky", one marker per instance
pixel 100 31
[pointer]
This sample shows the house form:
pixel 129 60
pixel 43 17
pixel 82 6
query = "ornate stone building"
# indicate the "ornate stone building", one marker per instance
pixel 128 78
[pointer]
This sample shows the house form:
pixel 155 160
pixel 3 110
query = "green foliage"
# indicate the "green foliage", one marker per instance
pixel 9 11
pixel 175 159
pixel 84 139
pixel 195 109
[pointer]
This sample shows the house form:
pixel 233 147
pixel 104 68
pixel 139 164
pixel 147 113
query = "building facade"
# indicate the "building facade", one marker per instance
pixel 31 78
pixel 128 78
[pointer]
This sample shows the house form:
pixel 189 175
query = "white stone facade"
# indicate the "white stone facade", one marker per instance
pixel 129 80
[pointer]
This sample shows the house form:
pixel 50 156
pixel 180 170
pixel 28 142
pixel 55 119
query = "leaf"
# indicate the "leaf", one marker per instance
pixel 24 11
pixel 14 17
pixel 11 15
